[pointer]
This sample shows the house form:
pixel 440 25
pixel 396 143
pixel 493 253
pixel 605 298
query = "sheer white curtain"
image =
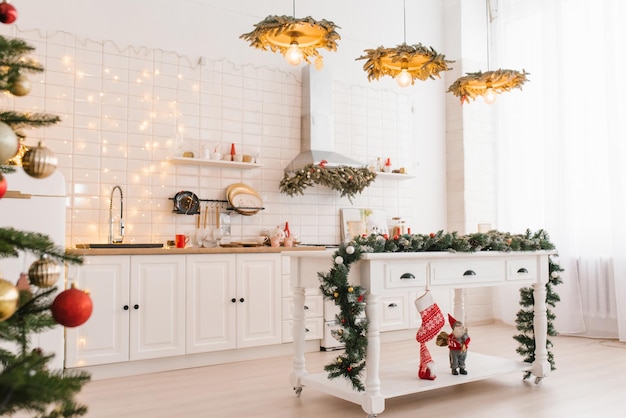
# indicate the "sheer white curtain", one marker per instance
pixel 562 148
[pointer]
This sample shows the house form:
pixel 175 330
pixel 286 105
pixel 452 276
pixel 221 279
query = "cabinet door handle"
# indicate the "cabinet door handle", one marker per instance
pixel 135 307
pixel 242 300
pixel 125 307
pixel 392 305
pixel 306 307
pixel 306 330
pixel 233 300
pixel 469 273
pixel 522 270
pixel 408 276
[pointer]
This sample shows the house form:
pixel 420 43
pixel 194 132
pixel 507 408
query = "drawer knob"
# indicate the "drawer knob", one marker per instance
pixel 135 307
pixel 242 300
pixel 469 273
pixel 306 308
pixel 233 300
pixel 408 276
pixel 125 307
pixel 522 270
pixel 392 305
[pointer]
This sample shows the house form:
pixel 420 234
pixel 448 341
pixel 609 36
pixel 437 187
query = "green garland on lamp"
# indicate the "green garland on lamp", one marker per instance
pixel 350 299
pixel 348 181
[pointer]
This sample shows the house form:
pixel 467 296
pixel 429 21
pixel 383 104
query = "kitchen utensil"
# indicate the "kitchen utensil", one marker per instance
pixel 186 202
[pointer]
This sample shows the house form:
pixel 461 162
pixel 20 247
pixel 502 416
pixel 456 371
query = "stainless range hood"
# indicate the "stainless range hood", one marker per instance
pixel 317 124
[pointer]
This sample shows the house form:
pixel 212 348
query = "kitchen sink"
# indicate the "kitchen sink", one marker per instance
pixel 133 245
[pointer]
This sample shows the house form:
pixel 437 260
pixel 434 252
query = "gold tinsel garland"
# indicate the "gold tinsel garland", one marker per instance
pixel 348 181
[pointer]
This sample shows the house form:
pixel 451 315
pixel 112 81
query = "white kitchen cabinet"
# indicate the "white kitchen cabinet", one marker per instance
pixel 138 310
pixel 233 301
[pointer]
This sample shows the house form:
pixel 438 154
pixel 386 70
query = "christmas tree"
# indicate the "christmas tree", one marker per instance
pixel 30 307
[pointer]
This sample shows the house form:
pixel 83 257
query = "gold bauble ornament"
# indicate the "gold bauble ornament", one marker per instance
pixel 44 272
pixel 39 162
pixel 9 298
pixel 21 87
pixel 9 144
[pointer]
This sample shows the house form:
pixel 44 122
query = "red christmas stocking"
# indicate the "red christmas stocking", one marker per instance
pixel 432 322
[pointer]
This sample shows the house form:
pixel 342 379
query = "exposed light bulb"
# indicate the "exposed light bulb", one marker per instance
pixel 293 55
pixel 490 96
pixel 404 78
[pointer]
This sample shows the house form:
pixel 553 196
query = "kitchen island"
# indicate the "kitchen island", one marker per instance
pixel 411 273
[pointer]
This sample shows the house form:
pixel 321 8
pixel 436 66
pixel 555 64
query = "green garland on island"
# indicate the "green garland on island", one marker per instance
pixel 346 180
pixel 351 299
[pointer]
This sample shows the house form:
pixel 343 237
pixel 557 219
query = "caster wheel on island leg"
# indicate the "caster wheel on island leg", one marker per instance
pixel 372 415
pixel 298 391
pixel 538 381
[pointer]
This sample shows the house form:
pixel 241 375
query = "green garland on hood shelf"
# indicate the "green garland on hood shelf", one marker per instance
pixel 350 299
pixel 346 180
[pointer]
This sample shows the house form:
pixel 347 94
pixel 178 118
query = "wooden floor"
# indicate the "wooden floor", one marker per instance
pixel 590 381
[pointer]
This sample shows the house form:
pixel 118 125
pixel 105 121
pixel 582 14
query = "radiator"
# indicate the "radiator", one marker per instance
pixel 597 292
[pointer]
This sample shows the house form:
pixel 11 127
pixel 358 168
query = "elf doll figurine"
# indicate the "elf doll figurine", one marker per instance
pixel 458 340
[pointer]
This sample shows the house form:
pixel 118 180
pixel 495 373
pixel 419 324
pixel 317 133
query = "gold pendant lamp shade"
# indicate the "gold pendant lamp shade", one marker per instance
pixel 405 63
pixel 487 84
pixel 298 39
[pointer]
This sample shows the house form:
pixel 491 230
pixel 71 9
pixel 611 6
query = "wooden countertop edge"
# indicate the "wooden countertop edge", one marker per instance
pixel 168 251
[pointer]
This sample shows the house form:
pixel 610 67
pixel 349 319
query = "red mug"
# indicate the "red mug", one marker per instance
pixel 181 240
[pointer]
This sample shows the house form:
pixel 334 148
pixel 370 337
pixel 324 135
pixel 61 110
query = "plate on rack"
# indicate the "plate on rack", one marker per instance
pixel 244 199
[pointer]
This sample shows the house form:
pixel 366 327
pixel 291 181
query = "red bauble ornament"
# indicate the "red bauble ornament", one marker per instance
pixel 8 13
pixel 433 235
pixel 3 185
pixel 72 307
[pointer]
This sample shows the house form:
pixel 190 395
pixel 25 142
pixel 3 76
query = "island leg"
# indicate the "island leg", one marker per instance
pixel 540 366
pixel 459 305
pixel 298 370
pixel 373 402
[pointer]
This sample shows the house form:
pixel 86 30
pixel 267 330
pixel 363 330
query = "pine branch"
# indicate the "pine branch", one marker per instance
pixel 12 241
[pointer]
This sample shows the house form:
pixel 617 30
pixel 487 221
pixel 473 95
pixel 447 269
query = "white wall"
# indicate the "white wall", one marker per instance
pixel 188 30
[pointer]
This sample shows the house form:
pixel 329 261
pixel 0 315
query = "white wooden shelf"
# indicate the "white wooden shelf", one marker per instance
pixel 397 176
pixel 401 379
pixel 214 163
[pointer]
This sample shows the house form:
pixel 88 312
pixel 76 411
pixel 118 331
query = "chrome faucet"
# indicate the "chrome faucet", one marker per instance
pixel 120 239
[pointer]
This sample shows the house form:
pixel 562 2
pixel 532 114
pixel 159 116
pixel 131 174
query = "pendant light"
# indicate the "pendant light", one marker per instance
pixel 490 83
pixel 298 39
pixel 405 62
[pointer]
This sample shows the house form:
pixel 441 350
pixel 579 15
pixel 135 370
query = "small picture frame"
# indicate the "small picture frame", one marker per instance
pixel 360 221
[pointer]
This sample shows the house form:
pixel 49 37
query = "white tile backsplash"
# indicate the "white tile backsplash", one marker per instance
pixel 126 110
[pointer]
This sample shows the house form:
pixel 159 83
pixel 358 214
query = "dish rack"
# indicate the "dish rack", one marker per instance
pixel 241 197
pixel 219 202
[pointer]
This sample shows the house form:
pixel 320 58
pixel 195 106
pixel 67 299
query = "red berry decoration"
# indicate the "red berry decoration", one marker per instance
pixel 72 307
pixel 433 235
pixel 3 186
pixel 8 13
